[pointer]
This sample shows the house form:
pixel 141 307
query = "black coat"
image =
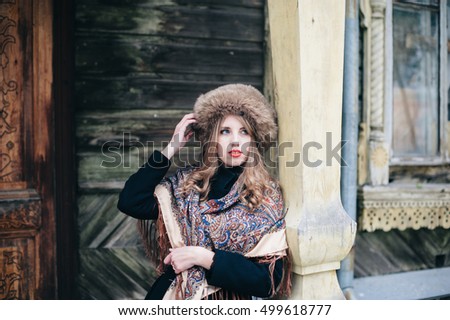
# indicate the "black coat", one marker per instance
pixel 230 271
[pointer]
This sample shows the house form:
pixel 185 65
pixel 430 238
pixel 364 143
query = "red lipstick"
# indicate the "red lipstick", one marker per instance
pixel 235 153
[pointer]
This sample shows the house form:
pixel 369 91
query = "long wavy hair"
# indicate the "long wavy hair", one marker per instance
pixel 253 182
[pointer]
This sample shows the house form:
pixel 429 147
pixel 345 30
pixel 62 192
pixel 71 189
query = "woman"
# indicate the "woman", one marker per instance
pixel 220 225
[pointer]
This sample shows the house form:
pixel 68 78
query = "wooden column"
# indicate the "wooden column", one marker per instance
pixel 307 49
pixel 378 148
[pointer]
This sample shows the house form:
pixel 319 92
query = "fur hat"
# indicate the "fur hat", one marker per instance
pixel 236 99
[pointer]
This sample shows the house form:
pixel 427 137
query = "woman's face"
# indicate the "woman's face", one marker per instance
pixel 233 141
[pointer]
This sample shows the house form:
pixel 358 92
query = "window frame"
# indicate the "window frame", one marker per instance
pixel 443 157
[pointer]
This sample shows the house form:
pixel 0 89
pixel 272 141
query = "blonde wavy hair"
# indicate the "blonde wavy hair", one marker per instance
pixel 253 182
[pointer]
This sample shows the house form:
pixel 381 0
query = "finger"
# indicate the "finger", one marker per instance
pixel 185 129
pixel 182 126
pixel 168 259
pixel 188 131
pixel 188 122
pixel 187 117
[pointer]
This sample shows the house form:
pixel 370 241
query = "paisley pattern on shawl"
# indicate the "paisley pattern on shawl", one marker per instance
pixel 224 223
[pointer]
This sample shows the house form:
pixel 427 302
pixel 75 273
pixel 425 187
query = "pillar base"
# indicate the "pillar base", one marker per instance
pixel 316 286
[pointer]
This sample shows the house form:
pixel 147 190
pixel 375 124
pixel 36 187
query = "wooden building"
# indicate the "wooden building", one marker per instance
pixel 404 194
pixel 91 87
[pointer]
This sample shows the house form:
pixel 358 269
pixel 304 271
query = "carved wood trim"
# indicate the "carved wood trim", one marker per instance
pixel 378 148
pixel 404 207
pixel 11 108
pixel 17 215
pixel 18 273
pixel 11 273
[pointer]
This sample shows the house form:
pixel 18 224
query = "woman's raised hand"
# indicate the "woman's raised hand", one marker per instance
pixel 181 135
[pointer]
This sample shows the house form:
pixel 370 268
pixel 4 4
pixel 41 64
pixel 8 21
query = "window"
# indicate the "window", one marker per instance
pixel 419 54
pixel 405 114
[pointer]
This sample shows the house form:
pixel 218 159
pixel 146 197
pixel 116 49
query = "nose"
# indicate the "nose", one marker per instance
pixel 236 138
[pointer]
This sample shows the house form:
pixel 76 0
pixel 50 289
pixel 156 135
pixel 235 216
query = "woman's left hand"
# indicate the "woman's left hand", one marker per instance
pixel 184 258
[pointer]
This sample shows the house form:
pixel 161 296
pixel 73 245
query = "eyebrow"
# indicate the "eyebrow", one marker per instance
pixel 230 128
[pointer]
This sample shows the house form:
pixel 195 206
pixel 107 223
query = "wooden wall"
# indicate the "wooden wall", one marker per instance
pixel 379 252
pixel 140 64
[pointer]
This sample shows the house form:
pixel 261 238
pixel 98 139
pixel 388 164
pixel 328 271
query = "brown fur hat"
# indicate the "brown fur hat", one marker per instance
pixel 237 99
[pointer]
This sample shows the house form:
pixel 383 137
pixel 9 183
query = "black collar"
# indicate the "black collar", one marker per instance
pixel 223 180
pixel 231 172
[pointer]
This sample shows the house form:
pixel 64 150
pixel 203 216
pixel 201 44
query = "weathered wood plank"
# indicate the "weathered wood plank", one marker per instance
pixel 120 55
pixel 152 3
pixel 147 92
pixel 126 128
pixel 365 255
pixel 114 274
pixel 94 167
pixel 382 252
pixel 433 246
pixel 234 23
pixel 102 225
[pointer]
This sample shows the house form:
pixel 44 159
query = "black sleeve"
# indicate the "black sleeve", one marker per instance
pixel 234 272
pixel 136 198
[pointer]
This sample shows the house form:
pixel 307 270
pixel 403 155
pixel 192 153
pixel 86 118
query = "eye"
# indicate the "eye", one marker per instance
pixel 244 131
pixel 224 131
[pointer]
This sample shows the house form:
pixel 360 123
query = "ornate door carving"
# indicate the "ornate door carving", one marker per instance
pixel 26 197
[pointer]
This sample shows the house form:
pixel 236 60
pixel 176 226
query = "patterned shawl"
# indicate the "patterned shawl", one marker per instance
pixel 224 224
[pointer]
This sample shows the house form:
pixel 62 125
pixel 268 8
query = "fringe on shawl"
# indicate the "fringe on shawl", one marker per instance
pixel 179 289
pixel 284 287
pixel 226 295
pixel 155 240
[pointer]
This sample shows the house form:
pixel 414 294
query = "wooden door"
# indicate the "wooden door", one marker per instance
pixel 27 219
